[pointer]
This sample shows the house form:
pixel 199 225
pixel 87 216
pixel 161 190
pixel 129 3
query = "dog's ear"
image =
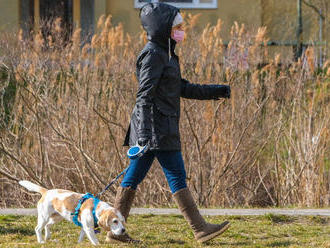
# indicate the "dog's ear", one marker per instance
pixel 103 222
pixel 120 216
pixel 109 222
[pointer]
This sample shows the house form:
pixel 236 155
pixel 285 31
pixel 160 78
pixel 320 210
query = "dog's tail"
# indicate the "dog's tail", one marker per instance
pixel 32 187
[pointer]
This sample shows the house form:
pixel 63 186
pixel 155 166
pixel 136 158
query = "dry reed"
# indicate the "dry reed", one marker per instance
pixel 65 110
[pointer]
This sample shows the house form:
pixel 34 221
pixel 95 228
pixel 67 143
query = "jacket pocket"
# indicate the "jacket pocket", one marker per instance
pixel 169 121
pixel 173 123
pixel 161 124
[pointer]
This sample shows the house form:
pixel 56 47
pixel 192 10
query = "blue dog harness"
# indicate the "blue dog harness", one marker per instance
pixel 77 209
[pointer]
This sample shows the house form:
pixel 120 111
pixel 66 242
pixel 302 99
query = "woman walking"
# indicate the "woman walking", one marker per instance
pixel 156 114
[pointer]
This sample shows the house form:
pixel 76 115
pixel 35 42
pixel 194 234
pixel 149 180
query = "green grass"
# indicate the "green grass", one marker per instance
pixel 173 231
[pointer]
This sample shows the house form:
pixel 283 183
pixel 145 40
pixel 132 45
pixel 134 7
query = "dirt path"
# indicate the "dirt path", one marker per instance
pixel 160 211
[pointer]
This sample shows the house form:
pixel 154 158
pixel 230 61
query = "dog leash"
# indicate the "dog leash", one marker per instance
pixel 112 182
pixel 133 153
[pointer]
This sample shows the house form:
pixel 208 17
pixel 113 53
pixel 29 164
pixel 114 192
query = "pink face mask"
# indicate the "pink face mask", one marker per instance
pixel 178 35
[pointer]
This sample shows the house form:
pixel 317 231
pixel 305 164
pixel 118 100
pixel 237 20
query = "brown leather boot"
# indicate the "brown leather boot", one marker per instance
pixel 203 231
pixel 123 202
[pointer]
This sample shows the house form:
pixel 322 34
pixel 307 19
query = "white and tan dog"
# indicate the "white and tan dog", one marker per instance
pixel 58 204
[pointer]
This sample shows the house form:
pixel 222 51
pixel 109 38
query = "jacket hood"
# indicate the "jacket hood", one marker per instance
pixel 157 20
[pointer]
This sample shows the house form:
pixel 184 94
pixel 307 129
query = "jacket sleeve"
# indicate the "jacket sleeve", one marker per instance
pixel 150 68
pixel 204 92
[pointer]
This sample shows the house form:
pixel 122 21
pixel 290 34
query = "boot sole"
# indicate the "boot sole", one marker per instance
pixel 213 235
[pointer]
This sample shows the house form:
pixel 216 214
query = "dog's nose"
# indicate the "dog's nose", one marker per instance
pixel 123 230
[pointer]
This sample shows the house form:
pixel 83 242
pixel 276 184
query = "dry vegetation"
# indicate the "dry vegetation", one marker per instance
pixel 64 110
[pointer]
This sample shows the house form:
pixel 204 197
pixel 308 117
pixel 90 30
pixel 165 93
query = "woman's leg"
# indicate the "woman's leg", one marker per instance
pixel 173 167
pixel 137 170
pixel 135 174
pixel 203 231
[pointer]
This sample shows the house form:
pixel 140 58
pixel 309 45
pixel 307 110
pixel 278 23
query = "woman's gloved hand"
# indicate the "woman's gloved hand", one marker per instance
pixel 143 141
pixel 223 91
pixel 228 91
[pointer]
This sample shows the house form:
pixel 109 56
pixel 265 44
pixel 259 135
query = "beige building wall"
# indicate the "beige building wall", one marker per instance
pixel 229 11
pixel 9 14
pixel 100 9
pixel 242 11
pixel 280 17
pixel 124 12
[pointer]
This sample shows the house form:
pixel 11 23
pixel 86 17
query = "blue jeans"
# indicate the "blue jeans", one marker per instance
pixel 172 165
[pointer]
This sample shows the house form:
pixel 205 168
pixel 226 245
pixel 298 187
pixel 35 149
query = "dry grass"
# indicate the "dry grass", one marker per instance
pixel 65 109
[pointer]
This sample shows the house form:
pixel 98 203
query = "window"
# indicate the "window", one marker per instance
pixel 183 4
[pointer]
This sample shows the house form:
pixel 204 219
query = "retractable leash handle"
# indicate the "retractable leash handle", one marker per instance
pixel 137 151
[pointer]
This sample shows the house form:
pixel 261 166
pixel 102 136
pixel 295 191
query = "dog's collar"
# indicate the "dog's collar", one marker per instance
pixel 77 209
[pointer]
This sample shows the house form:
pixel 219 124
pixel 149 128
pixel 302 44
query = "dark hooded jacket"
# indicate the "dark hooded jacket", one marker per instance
pixel 156 113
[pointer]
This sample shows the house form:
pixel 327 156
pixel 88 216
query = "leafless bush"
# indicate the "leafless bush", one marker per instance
pixel 66 119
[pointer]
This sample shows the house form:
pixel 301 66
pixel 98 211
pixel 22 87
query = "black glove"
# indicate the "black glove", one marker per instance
pixel 228 91
pixel 143 141
pixel 221 91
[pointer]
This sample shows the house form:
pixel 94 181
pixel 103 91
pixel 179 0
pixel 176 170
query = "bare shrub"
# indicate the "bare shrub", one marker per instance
pixel 65 119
